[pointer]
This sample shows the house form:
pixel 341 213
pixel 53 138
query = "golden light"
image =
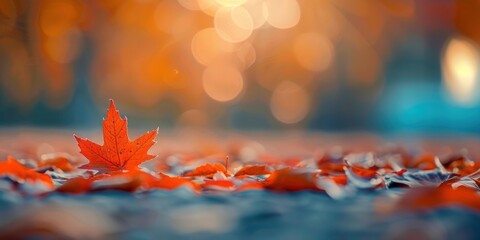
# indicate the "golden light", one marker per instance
pixel 171 18
pixel 241 17
pixel 209 7
pixel 9 13
pixel 59 34
pixel 461 60
pixel 247 55
pixel 8 9
pixel 258 12
pixel 282 14
pixel 231 3
pixel 208 47
pixel 20 85
pixel 217 46
pixel 233 24
pixel 63 49
pixel 193 118
pixel 57 17
pixel 222 82
pixel 313 51
pixel 290 103
pixel 190 4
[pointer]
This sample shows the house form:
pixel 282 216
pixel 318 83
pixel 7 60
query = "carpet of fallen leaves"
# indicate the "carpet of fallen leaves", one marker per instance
pixel 433 180
pixel 243 172
pixel 405 177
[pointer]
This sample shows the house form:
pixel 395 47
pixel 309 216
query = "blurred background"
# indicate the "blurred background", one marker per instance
pixel 384 66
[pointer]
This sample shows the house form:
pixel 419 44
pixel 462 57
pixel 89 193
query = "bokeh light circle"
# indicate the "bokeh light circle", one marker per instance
pixel 222 82
pixel 289 103
pixel 282 14
pixel 460 64
pixel 313 51
pixel 208 47
pixel 233 25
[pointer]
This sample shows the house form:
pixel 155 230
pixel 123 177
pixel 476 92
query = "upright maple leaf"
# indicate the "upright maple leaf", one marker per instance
pixel 117 152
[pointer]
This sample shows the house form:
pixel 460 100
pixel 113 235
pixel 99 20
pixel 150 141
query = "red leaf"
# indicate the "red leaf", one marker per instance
pixel 426 198
pixel 288 180
pixel 129 181
pixel 339 179
pixel 364 172
pixel 252 170
pixel 59 162
pixel 218 184
pixel 170 183
pixel 19 173
pixel 425 162
pixel 76 185
pixel 250 186
pixel 207 170
pixel 118 152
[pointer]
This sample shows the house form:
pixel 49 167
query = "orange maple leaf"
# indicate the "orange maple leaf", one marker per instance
pixel 117 152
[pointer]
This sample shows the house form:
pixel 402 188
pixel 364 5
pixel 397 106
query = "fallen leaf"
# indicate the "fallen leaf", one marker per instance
pixel 253 185
pixel 218 185
pixel 426 198
pixel 76 185
pixel 118 152
pixel 59 163
pixel 339 179
pixel 425 162
pixel 364 172
pixel 170 183
pixel 253 170
pixel 207 170
pixel 288 180
pixel 129 181
pixel 14 170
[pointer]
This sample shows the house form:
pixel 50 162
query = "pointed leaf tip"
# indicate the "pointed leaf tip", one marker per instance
pixel 112 105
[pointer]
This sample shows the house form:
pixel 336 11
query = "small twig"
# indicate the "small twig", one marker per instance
pixel 226 162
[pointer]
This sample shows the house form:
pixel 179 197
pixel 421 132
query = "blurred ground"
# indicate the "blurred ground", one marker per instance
pixel 180 214
pixel 183 214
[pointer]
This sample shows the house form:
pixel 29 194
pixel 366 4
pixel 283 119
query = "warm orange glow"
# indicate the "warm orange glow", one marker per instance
pixel 282 13
pixel 222 82
pixel 146 53
pixel 233 24
pixel 231 3
pixel 193 118
pixel 461 61
pixel 313 51
pixel 247 55
pixel 59 37
pixel 171 18
pixel 58 17
pixel 9 12
pixel 190 4
pixel 209 7
pixel 8 9
pixel 207 46
pixel 289 103
pixel 20 86
pixel 63 49
pixel 257 11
